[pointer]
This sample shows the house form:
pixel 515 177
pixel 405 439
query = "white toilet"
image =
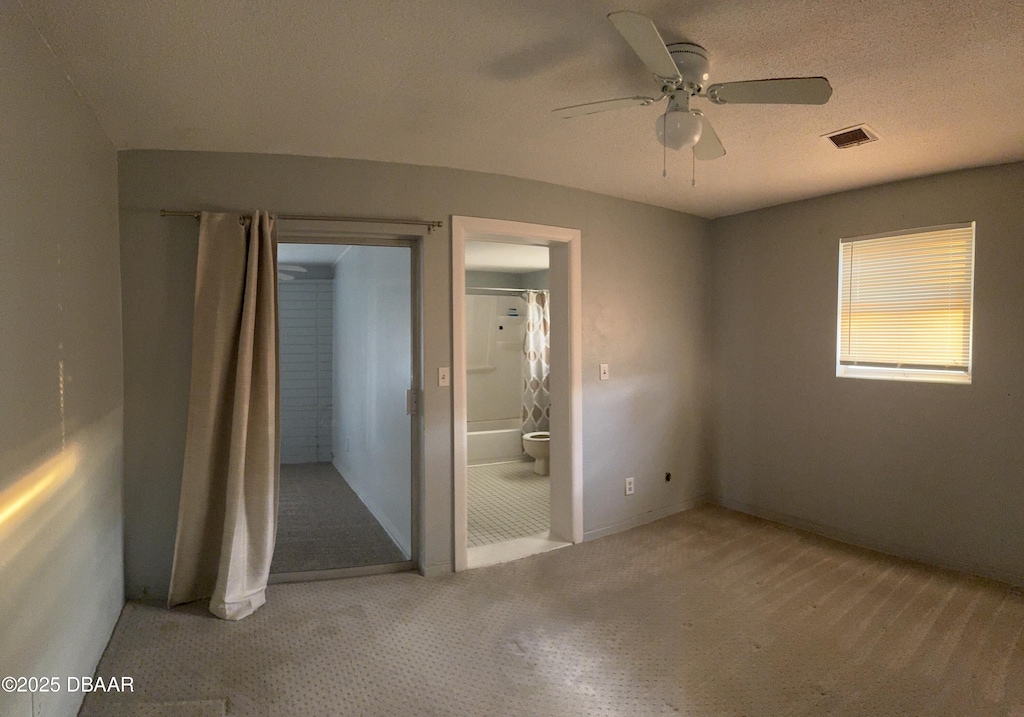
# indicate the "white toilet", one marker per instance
pixel 537 444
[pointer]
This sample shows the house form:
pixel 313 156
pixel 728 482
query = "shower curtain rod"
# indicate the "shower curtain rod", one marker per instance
pixel 499 289
pixel 430 225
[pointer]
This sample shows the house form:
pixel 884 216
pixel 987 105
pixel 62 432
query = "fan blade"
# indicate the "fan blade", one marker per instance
pixel 284 277
pixel 786 91
pixel 593 107
pixel 708 146
pixel 641 34
pixel 291 267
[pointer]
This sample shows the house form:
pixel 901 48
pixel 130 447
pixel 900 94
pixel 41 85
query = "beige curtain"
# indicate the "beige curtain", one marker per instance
pixel 228 508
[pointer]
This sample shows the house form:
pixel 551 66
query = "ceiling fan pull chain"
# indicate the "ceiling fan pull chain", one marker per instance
pixel 693 168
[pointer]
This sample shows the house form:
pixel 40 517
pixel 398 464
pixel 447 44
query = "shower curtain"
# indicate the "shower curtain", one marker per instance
pixel 536 368
pixel 227 513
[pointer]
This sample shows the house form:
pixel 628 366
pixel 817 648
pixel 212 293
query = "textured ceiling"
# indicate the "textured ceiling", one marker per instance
pixel 470 84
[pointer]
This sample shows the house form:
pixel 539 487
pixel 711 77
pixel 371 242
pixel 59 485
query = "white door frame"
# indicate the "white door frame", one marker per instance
pixel 566 370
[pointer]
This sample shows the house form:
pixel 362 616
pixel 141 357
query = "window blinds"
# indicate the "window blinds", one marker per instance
pixel 905 299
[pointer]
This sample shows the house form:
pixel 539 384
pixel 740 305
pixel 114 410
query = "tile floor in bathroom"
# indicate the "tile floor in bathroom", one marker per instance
pixel 506 501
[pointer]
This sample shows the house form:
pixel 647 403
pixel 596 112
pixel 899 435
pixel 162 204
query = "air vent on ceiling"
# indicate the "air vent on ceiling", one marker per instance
pixel 852 136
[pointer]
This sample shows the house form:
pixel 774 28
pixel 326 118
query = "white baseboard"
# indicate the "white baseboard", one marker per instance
pixel 647 517
pixel 862 541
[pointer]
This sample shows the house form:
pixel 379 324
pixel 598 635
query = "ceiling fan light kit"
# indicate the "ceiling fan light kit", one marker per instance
pixel 683 70
pixel 678 128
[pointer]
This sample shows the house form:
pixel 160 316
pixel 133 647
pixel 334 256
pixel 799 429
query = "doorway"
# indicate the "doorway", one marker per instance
pixel 507 392
pixel 350 371
pixel 525 489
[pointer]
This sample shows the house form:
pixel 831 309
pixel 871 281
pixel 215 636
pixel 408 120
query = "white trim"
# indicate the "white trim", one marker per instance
pixel 460 442
pixel 906 232
pixel 889 373
pixel 884 373
pixel 566 370
pixel 648 517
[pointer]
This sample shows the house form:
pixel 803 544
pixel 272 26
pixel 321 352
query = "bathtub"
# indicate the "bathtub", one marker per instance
pixel 494 441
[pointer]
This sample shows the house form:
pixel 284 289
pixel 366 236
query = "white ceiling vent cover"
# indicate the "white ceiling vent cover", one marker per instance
pixel 852 136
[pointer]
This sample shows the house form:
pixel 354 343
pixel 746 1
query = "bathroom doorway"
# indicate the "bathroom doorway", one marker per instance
pixel 515 389
pixel 349 367
pixel 507 392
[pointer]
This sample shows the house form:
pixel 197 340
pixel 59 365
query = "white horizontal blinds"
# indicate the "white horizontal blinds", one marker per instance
pixel 905 300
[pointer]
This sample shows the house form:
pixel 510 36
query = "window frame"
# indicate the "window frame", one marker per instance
pixel 915 374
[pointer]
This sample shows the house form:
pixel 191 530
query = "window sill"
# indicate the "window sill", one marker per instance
pixel 901 374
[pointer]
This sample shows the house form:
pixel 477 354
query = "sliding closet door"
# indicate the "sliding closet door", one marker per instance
pixel 347 321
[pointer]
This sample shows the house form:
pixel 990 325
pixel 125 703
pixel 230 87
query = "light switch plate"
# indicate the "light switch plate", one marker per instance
pixel 444 377
pixel 604 372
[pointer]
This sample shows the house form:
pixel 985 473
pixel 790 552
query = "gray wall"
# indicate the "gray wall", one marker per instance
pixel 494 279
pixel 306 330
pixel 509 280
pixel 643 310
pixel 61 573
pixel 929 471
pixel 536 279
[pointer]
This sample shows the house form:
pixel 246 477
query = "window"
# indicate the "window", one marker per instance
pixel 905 305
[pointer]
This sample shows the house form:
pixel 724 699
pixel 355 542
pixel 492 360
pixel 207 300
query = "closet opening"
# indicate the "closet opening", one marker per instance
pixel 350 373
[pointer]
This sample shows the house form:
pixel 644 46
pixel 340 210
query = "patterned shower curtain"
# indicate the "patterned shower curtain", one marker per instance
pixel 536 346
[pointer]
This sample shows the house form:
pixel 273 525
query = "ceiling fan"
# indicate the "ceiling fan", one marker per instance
pixel 286 272
pixel 682 69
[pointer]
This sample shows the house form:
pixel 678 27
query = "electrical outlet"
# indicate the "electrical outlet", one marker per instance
pixel 629 486
pixel 604 372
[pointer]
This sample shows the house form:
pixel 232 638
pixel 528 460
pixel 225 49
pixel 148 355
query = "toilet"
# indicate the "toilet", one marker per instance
pixel 536 445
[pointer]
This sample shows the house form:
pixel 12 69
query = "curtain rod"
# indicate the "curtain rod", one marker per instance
pixel 430 225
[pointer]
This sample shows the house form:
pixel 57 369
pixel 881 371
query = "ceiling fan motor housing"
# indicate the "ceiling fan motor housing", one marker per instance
pixel 693 64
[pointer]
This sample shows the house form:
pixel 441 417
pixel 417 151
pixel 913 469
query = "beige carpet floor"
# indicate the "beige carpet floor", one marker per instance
pixel 707 613
pixel 322 524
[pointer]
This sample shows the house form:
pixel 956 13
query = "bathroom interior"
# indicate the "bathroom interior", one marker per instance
pixel 345 357
pixel 507 392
